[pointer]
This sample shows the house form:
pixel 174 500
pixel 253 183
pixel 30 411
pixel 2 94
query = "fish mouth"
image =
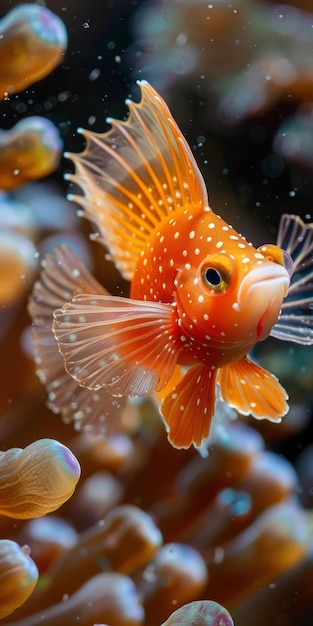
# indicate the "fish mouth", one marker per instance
pixel 261 292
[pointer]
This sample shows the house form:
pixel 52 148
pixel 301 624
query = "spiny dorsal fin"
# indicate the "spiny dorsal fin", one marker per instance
pixel 133 175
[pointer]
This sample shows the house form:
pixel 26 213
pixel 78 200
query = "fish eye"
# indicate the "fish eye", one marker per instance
pixel 213 277
pixel 216 272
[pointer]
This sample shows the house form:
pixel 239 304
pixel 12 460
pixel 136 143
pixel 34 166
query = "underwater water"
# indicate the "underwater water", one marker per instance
pixel 124 529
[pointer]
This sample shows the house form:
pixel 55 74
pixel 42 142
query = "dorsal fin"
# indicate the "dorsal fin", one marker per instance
pixel 133 175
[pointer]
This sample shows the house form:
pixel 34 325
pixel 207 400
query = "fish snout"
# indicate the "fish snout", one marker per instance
pixel 262 282
pixel 261 293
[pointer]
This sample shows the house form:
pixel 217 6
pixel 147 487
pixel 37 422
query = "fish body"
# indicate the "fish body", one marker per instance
pixel 214 323
pixel 201 296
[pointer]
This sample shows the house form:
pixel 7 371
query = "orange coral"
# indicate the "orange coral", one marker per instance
pixel 32 43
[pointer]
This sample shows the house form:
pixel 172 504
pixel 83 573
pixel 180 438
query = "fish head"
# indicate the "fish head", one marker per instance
pixel 233 297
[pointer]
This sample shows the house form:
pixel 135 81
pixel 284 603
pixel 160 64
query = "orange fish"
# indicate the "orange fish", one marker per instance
pixel 201 296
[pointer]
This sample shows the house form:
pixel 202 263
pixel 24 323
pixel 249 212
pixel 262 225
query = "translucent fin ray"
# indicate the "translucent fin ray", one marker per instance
pixel 134 175
pixel 123 345
pixel 295 322
pixel 252 390
pixel 64 276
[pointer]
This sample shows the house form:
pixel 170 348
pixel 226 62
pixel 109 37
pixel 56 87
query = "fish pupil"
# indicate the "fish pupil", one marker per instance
pixel 213 277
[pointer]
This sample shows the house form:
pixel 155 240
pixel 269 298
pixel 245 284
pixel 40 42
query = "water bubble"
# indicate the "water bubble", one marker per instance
pixel 94 74
pixel 239 502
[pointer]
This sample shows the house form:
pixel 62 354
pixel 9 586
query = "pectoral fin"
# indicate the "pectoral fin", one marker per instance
pixel 123 345
pixel 188 409
pixel 64 276
pixel 250 389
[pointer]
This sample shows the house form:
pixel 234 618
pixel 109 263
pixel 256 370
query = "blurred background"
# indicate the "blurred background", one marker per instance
pixel 238 78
